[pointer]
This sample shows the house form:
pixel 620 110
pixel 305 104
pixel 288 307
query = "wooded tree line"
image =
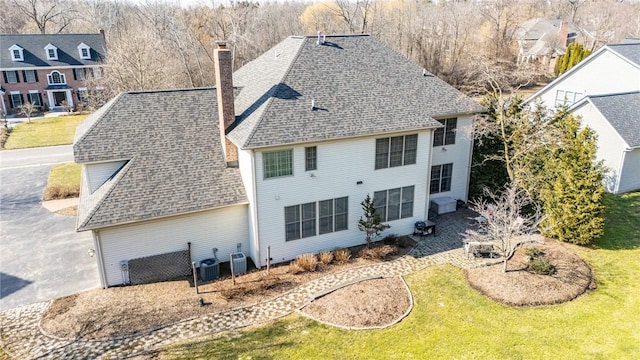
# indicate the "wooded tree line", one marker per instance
pixel 160 45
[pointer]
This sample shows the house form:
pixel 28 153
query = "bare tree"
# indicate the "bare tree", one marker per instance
pixel 45 13
pixel 27 109
pixel 503 222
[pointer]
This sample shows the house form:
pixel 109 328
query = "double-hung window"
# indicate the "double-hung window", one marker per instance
pixel 16 99
pixel 447 134
pixel 277 163
pixel 310 158
pixel 330 215
pixel 396 151
pixel 394 204
pixel 78 74
pixel 441 178
pixel 30 76
pixel 35 99
pixel 300 221
pixel 333 214
pixel 11 77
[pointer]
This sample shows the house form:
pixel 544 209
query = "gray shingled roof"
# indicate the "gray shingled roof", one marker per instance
pixel 631 51
pixel 35 56
pixel 623 113
pixel 176 162
pixel 358 85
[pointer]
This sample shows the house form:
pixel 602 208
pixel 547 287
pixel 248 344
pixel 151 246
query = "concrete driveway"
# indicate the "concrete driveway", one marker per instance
pixel 41 255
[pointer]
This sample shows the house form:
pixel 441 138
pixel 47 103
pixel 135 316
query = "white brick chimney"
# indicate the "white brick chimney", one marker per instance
pixel 224 89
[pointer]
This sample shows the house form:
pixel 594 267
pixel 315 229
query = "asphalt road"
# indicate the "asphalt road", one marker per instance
pixel 35 156
pixel 41 255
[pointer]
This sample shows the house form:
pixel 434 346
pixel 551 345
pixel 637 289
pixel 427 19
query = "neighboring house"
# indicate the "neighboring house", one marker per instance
pixel 589 89
pixel 544 40
pixel 276 159
pixel 47 69
pixel 616 120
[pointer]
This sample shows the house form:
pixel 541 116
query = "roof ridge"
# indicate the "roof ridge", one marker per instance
pixel 156 91
pixel 270 100
pixel 99 115
pixel 614 94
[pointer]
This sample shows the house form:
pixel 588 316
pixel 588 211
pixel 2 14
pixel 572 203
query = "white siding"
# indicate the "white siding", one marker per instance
pixel 630 176
pixel 605 73
pixel 98 173
pixel 610 144
pixel 245 159
pixel 220 228
pixel 341 164
pixel 460 155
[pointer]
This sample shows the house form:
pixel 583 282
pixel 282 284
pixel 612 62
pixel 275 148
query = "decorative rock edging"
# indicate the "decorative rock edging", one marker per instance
pixel 394 322
pixel 22 336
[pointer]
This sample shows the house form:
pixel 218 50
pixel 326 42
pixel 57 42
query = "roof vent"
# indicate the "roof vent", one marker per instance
pixel 313 104
pixel 318 41
pixel 424 72
pixel 321 40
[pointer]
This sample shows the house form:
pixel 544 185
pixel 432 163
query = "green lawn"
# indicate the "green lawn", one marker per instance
pixel 44 132
pixel 63 182
pixel 452 321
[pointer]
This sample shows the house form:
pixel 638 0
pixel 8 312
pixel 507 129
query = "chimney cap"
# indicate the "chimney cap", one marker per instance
pixel 221 44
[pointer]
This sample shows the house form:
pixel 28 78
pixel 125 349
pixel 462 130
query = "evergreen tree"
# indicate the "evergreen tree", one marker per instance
pixel 370 223
pixel 574 53
pixel 572 199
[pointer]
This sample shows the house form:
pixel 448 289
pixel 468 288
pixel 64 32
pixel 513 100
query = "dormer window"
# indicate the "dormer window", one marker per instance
pixel 52 52
pixel 56 78
pixel 16 53
pixel 84 51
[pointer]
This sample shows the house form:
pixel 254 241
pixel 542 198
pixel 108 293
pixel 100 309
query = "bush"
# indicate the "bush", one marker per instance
pixel 390 239
pixel 378 252
pixel 405 242
pixel 4 136
pixel 307 262
pixel 533 252
pixel 325 257
pixel 342 256
pixel 294 268
pixel 61 192
pixel 540 265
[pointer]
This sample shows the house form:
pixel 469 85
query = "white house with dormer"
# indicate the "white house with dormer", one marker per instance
pixel 603 90
pixel 275 159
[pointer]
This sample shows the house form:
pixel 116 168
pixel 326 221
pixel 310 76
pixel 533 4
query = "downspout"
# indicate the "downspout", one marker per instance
pixel 466 190
pixel 619 176
pixel 98 248
pixel 429 165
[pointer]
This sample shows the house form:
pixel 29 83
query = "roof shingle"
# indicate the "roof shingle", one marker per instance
pixel 623 113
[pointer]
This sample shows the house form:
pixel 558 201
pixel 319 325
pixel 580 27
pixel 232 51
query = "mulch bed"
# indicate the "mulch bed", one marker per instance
pixel 521 287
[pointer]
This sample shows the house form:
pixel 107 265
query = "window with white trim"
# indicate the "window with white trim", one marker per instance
pixel 52 52
pixel 17 53
pixel 441 178
pixel 277 163
pixel 396 151
pixel 84 51
pixel 310 158
pixel 447 134
pixel 394 204
pixel 56 77
pixel 16 99
pixel 35 98
pixel 78 74
pixel 567 98
pixel 333 215
pixel 300 221
pixel 96 72
pixel 30 76
pixel 83 95
pixel 11 77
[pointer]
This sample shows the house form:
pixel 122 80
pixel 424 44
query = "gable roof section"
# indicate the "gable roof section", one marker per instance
pixel 622 111
pixel 176 162
pixel 537 28
pixel 628 51
pixel 67 45
pixel 358 86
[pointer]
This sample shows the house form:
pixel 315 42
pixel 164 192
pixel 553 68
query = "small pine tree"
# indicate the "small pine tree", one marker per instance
pixel 573 55
pixel 572 200
pixel 370 223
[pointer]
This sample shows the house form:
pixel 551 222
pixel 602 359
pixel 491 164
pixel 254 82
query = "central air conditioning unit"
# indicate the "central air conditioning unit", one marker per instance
pixel 209 269
pixel 239 263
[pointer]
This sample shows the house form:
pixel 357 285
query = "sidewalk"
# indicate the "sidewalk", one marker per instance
pixel 24 339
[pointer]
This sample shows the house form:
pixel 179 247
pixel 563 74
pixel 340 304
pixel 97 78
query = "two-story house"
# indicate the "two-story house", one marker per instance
pixel 601 90
pixel 277 158
pixel 48 70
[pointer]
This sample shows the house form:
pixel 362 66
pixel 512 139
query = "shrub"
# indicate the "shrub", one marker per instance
pixel 307 262
pixel 540 265
pixel 378 252
pixel 533 252
pixel 61 192
pixel 405 242
pixel 325 257
pixel 4 136
pixel 294 268
pixel 390 239
pixel 342 256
